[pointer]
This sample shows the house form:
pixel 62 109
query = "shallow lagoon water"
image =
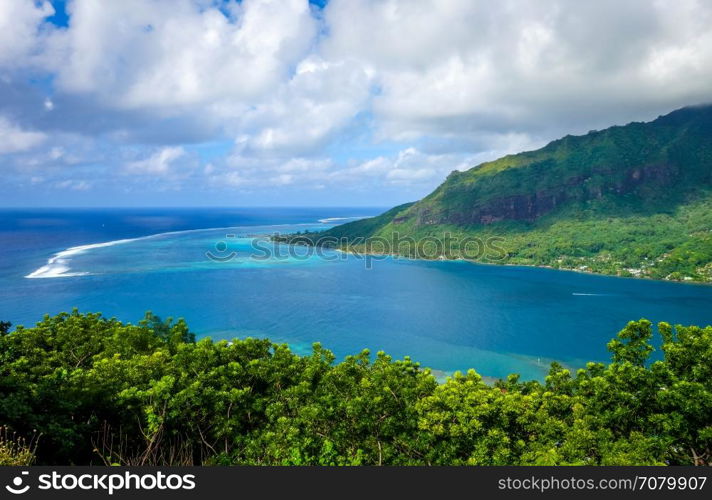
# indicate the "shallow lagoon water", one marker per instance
pixel 447 315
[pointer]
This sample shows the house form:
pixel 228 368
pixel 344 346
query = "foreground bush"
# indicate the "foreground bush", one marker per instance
pixel 14 450
pixel 101 391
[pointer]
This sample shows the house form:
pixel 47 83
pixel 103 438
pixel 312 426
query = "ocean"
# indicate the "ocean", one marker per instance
pixel 216 268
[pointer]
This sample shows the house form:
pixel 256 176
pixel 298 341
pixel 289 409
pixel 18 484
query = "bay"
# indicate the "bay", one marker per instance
pixel 215 268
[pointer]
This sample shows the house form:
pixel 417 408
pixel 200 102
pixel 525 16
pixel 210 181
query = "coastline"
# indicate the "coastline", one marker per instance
pixel 509 264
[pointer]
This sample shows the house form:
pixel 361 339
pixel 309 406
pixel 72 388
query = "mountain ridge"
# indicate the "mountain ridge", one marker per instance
pixel 631 156
pixel 632 200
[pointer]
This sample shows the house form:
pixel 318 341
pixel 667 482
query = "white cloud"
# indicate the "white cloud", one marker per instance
pixel 320 99
pixel 409 167
pixel 14 139
pixel 19 33
pixel 74 185
pixel 172 54
pixel 247 172
pixel 463 67
pixel 158 164
pixel 412 88
pixel 410 170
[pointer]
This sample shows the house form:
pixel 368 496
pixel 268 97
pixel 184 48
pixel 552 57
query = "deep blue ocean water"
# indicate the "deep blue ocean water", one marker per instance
pixel 212 267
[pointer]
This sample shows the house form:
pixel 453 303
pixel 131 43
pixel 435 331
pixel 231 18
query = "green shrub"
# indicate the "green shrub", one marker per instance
pixel 101 391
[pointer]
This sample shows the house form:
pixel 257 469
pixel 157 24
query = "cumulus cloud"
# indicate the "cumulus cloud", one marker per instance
pixel 321 98
pixel 171 54
pixel 463 67
pixel 373 96
pixel 20 33
pixel 14 139
pixel 158 164
pixel 167 168
pixel 409 168
pixel 249 173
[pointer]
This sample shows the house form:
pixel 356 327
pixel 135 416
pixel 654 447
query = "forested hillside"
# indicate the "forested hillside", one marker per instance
pixel 633 200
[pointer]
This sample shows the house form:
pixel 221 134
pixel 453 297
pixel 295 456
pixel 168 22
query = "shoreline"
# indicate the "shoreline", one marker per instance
pixel 509 264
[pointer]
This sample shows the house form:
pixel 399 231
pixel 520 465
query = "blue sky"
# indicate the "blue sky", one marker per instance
pixel 289 102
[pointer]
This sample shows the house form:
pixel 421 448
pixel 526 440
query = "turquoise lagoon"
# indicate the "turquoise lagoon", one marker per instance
pixel 216 269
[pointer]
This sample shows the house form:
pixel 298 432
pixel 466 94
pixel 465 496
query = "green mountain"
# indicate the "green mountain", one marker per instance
pixel 633 200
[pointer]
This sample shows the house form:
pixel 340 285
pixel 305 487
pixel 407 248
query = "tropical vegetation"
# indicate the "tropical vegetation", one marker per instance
pixel 85 389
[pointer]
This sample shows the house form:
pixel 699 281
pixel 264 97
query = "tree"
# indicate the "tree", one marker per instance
pixel 100 391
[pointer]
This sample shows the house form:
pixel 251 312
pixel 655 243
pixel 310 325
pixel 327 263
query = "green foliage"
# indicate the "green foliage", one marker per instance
pixel 62 377
pixel 100 391
pixel 632 344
